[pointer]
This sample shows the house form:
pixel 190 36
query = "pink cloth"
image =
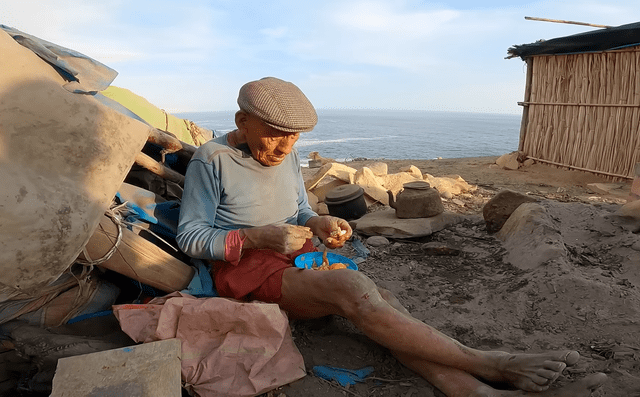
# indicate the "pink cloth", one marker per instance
pixel 233 247
pixel 229 348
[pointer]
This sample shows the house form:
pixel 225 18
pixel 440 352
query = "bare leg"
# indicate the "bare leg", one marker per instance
pixel 311 294
pixel 580 388
pixel 456 383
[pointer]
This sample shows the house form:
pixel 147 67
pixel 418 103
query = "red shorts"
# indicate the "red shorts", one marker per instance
pixel 257 276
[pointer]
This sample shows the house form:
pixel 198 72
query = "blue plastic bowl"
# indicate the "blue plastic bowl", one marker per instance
pixel 305 261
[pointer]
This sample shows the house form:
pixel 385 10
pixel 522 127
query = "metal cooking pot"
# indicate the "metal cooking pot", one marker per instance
pixel 346 202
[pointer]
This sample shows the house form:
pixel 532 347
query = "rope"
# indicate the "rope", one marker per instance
pixel 194 130
pixel 115 216
pixel 166 120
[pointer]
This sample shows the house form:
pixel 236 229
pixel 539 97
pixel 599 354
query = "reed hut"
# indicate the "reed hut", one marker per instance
pixel 582 101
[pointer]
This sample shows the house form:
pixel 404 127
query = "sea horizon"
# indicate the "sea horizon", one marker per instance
pixel 347 134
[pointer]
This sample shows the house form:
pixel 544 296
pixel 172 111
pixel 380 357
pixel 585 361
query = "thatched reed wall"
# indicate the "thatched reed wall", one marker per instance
pixel 583 111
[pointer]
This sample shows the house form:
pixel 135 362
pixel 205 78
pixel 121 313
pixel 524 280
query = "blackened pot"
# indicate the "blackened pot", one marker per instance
pixel 346 202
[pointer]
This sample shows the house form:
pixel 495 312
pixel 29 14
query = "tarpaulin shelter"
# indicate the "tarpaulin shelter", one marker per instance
pixel 185 130
pixel 582 100
pixel 65 150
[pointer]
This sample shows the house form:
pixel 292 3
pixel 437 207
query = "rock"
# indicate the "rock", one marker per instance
pixel 629 215
pixel 322 160
pixel 458 202
pixel 453 184
pixel 528 163
pixel 531 238
pixel 446 195
pixel 377 241
pixel 394 182
pixel 500 207
pixel 509 161
pixel 613 189
pixel 599 188
pixel 321 190
pixel 385 223
pixel 412 170
pixel 339 171
pixel 379 168
pixel 371 185
pixel 630 210
pixel 313 201
pixel 323 209
pixel 437 248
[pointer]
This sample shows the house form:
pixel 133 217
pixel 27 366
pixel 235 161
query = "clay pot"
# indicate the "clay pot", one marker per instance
pixel 416 200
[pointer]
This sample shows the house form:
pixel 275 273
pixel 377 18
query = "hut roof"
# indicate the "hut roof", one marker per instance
pixel 593 41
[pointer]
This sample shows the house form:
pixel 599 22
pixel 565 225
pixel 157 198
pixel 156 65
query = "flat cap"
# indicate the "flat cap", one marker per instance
pixel 279 104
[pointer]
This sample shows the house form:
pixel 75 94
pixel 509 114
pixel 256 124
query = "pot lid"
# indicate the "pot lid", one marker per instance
pixel 422 185
pixel 343 193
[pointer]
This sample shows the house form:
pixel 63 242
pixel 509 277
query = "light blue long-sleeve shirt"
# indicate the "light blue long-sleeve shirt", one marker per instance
pixel 226 189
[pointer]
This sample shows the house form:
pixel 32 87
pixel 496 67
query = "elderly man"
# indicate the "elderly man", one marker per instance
pixel 245 208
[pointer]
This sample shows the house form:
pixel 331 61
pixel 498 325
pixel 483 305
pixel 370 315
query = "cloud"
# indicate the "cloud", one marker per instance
pixel 396 35
pixel 274 33
pixel 349 53
pixel 388 20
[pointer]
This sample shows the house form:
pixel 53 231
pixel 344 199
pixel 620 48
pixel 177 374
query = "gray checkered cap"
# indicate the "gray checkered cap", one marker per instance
pixel 279 104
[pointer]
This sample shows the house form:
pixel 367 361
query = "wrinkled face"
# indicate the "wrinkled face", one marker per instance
pixel 268 145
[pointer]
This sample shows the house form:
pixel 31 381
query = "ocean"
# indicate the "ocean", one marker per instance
pixel 393 134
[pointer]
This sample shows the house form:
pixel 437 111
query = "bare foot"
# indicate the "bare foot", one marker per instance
pixel 581 388
pixel 531 372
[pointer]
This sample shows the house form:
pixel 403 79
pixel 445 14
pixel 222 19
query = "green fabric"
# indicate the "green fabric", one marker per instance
pixel 156 117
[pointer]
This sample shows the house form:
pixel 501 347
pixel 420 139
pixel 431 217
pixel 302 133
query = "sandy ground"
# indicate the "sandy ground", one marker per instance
pixel 588 301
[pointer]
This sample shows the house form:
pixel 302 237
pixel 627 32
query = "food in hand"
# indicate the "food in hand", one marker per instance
pixel 337 238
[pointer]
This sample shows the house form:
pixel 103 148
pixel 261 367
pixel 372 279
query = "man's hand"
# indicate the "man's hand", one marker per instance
pixel 333 231
pixel 284 239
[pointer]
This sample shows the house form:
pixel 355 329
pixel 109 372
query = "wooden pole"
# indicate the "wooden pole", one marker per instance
pixel 580 168
pixel 569 22
pixel 167 173
pixel 610 105
pixel 138 258
pixel 162 139
pixel 525 110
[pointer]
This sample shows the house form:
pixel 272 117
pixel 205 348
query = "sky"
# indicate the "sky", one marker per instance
pixel 191 55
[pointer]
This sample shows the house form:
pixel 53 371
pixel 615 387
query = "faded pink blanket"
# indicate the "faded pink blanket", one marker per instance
pixel 229 348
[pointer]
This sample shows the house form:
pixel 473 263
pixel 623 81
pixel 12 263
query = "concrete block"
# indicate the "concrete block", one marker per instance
pixel 146 370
